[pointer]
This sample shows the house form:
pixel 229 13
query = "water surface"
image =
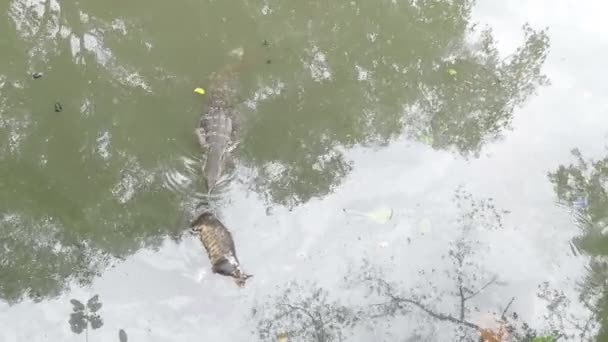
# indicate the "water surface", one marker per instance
pixel 459 116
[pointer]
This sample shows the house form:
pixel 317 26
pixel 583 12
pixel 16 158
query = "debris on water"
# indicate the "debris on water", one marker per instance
pixel 237 52
pixel 199 90
pixel 268 61
pixel 424 226
pixel 282 337
pixel 37 75
pixel 378 215
pixel 265 43
pixel 58 107
pixel 452 72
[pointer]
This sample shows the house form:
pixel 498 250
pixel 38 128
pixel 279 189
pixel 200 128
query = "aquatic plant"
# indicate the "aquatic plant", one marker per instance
pixel 84 316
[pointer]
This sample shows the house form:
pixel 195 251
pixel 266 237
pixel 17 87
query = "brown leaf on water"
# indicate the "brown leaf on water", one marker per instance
pixel 489 335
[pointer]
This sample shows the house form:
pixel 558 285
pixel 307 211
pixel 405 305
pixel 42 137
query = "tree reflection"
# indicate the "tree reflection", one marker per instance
pixel 83 187
pixel 79 190
pixel 84 316
pixel 582 186
pixel 372 301
pixel 419 68
pixel 51 234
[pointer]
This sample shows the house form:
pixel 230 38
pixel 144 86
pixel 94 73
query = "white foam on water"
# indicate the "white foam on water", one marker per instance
pixel 120 26
pixel 362 73
pixel 266 10
pixel 16 128
pixel 76 49
pixel 26 14
pixel 93 44
pixel 103 145
pixel 319 69
pixel 133 178
pixel 265 92
pixel 237 52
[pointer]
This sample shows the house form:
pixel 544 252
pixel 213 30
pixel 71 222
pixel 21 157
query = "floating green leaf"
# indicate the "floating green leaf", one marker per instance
pixel 378 215
pixel 452 72
pixel 543 339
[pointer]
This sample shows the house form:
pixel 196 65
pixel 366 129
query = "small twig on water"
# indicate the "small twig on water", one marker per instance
pixel 463 299
pixel 317 323
pixel 504 312
pixel 492 281
pixel 437 315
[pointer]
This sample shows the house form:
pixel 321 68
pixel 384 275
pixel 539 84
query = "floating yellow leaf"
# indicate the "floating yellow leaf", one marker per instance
pixel 378 215
pixel 282 337
pixel 452 72
pixel 199 91
pixel 424 226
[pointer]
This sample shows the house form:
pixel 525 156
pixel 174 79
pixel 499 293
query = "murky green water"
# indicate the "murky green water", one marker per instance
pixel 463 130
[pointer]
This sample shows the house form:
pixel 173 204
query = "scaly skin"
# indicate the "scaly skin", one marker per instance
pixel 217 136
pixel 219 245
pixel 217 128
